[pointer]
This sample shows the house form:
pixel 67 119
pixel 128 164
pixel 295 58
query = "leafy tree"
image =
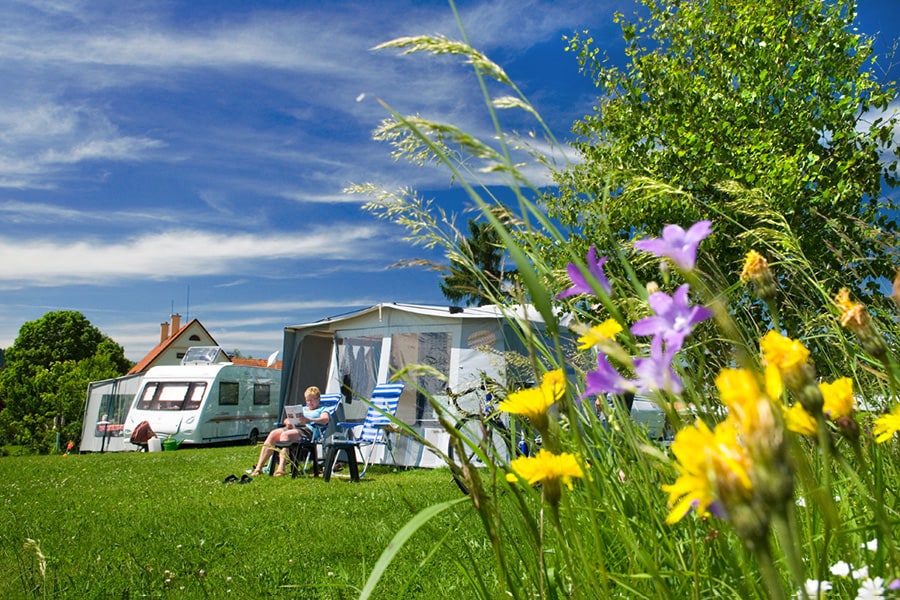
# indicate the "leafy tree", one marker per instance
pixel 47 371
pixel 765 116
pixel 484 251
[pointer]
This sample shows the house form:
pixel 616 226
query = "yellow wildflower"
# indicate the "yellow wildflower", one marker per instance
pixel 799 421
pixel 756 271
pixel 546 467
pixel 785 354
pixel 853 314
pixel 712 466
pixel 838 398
pixel 739 391
pixel 887 425
pixel 896 294
pixel 554 384
pixel 754 266
pixel 599 334
pixel 532 403
pixel 774 385
pixel 855 318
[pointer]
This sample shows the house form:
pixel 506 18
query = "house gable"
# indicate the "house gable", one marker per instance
pixel 174 344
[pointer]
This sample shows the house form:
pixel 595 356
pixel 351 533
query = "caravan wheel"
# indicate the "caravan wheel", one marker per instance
pixel 254 437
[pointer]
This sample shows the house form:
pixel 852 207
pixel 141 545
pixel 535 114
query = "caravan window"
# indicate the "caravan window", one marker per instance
pixel 195 396
pixel 261 395
pixel 171 396
pixel 229 393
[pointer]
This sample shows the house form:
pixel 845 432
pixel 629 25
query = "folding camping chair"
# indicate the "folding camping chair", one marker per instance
pixel 308 446
pixel 373 431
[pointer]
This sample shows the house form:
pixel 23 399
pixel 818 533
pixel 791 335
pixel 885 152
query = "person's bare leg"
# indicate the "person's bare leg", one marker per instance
pixel 286 435
pixel 281 463
pixel 266 452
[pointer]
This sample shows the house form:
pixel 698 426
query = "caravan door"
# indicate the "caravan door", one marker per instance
pixel 227 409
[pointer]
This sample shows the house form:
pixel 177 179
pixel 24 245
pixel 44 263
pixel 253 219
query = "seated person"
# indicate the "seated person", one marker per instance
pixel 313 413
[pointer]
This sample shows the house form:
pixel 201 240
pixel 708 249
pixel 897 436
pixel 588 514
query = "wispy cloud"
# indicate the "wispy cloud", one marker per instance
pixel 181 253
pixel 146 146
pixel 41 143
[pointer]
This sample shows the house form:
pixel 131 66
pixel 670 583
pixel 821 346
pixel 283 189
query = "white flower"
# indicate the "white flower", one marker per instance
pixel 870 545
pixel 801 501
pixel 861 573
pixel 871 589
pixel 841 569
pixel 815 589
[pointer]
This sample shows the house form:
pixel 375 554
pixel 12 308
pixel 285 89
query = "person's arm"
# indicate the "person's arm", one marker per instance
pixel 321 419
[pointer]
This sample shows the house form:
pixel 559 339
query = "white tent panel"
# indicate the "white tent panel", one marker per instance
pixel 352 353
pixel 107 405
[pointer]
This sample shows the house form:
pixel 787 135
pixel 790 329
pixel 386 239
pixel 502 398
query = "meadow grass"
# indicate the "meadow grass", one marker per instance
pixel 133 525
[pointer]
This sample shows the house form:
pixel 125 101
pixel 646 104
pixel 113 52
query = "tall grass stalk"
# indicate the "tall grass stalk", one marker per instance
pixel 810 504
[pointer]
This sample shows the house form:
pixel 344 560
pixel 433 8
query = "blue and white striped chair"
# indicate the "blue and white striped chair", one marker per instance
pixel 372 432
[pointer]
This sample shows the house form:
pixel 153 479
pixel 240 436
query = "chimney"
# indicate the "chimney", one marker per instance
pixel 163 332
pixel 176 323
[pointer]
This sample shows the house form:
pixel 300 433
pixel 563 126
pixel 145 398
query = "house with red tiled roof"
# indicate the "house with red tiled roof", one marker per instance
pixel 256 362
pixel 174 340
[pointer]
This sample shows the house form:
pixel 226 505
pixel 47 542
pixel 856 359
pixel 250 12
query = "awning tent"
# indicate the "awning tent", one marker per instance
pixel 353 352
pixel 108 402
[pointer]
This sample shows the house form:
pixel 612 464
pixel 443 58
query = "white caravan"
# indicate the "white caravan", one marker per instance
pixel 207 403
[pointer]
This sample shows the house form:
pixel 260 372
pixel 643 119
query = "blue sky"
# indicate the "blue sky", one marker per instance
pixel 192 156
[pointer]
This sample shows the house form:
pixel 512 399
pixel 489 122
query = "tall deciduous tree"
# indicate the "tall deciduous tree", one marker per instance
pixel 47 371
pixel 719 96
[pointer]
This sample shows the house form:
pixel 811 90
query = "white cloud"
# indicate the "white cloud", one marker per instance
pixel 41 142
pixel 175 253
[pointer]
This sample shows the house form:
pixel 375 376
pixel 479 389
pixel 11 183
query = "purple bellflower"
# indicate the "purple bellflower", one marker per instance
pixel 606 380
pixel 580 283
pixel 674 318
pixel 677 244
pixel 654 373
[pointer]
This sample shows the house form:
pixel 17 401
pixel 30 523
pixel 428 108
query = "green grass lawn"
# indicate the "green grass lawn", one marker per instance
pixel 131 525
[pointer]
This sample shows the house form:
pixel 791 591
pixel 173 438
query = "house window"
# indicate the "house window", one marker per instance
pixel 261 396
pixel 229 393
pixel 194 338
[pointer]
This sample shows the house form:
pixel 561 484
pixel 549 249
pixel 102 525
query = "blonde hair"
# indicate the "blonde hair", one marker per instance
pixel 312 391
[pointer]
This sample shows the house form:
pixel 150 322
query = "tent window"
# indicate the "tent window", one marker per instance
pixel 357 365
pixel 229 393
pixel 261 395
pixel 429 349
pixel 111 414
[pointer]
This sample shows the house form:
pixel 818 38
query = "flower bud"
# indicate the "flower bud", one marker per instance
pixel 855 317
pixel 848 427
pixel 751 523
pixel 756 271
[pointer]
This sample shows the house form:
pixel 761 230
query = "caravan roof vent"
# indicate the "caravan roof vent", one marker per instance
pixel 204 355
